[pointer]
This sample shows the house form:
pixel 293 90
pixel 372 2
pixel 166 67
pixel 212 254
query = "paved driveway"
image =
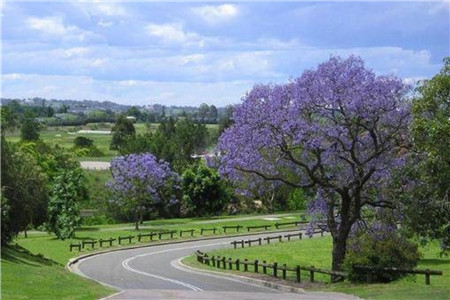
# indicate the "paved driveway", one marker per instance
pixel 153 273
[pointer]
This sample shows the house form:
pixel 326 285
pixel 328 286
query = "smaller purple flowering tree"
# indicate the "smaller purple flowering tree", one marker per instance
pixel 140 181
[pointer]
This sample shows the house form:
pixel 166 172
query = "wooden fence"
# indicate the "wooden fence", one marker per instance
pixel 370 271
pixel 257 266
pixel 160 234
pixel 259 241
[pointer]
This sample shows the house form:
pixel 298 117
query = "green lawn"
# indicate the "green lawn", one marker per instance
pixel 57 250
pixel 317 252
pixel 27 276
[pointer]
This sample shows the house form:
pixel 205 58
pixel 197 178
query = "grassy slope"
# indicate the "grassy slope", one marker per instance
pixel 26 276
pixel 317 252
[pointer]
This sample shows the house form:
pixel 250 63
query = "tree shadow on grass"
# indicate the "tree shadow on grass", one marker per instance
pixel 82 229
pixel 19 255
pixel 436 262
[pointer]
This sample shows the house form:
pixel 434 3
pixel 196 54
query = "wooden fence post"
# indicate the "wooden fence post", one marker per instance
pixel 245 265
pixel 264 267
pixel 237 264
pixel 297 271
pixel 275 269
pixel 256 266
pixel 230 264
pixel 311 274
pixel 427 277
pixel 213 259
pixel 284 271
pixel 224 263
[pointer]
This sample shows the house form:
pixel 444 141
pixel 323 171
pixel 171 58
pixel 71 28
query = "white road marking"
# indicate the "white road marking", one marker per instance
pixel 126 265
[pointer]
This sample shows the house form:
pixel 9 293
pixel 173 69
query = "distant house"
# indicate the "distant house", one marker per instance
pixel 131 118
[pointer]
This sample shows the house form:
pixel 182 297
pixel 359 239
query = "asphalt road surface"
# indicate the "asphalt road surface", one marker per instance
pixel 154 273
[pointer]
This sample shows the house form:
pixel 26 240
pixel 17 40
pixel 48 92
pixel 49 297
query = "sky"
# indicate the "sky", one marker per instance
pixel 188 53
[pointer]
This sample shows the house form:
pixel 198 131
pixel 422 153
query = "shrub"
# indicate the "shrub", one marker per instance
pixel 297 200
pixel 382 247
pixel 83 142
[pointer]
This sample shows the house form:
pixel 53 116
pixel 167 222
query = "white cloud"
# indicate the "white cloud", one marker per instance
pixel 76 51
pixel 105 24
pixel 216 14
pixel 50 25
pixel 102 9
pixel 110 9
pixel 54 27
pixel 12 76
pixel 174 33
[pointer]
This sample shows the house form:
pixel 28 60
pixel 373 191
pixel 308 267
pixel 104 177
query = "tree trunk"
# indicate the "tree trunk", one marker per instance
pixel 340 230
pixel 136 220
pixel 338 255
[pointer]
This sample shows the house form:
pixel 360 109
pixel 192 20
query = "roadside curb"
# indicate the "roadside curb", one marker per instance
pixel 259 282
pixel 75 260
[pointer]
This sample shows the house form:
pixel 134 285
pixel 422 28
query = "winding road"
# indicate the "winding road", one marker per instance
pixel 154 273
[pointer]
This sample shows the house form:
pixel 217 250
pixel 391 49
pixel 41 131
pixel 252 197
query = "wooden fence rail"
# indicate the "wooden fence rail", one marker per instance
pixel 92 243
pixel 258 227
pixel 150 235
pixel 75 246
pixel 110 241
pixel 237 227
pixel 223 262
pixel 370 271
pixel 171 232
pixel 129 238
pixel 208 229
pixel 189 230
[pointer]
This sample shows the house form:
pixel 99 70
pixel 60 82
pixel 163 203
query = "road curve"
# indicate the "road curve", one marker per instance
pixel 151 273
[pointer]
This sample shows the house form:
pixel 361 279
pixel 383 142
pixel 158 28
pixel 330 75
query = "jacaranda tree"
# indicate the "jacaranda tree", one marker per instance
pixel 140 181
pixel 338 129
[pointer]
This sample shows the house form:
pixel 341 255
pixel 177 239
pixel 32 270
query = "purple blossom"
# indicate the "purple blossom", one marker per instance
pixel 139 181
pixel 338 129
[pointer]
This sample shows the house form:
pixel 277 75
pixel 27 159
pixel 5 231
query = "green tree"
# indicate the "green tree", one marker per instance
pixel 203 112
pixel 30 128
pixel 9 119
pixel 204 193
pixel 68 191
pixel 174 141
pixel 135 112
pixel 121 132
pixel 428 203
pixel 24 191
pixel 226 120
pixel 212 114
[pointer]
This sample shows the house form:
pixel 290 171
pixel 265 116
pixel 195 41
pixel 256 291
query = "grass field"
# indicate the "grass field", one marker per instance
pixel 27 276
pixel 64 136
pixel 317 252
pixel 57 250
